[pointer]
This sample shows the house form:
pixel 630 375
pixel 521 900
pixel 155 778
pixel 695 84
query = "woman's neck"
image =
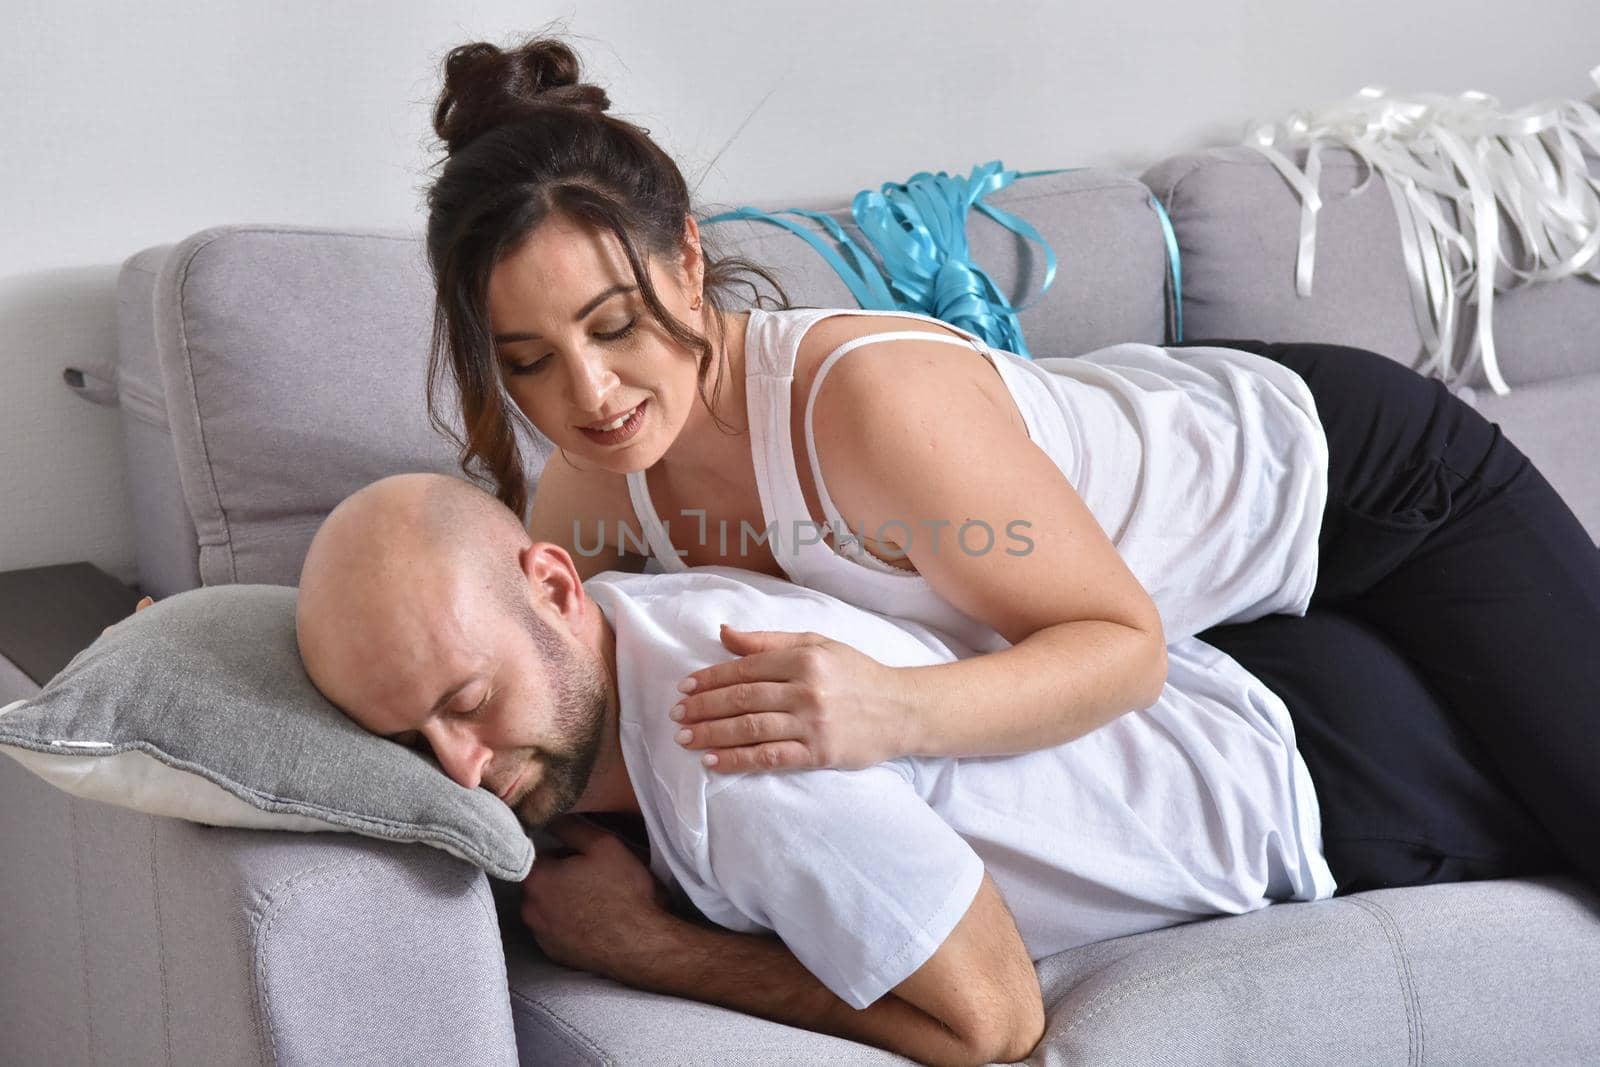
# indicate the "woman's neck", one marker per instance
pixel 703 446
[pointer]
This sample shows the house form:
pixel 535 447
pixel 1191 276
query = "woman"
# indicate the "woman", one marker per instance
pixel 1235 485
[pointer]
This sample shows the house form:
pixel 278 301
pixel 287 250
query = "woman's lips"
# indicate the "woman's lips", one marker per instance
pixel 621 433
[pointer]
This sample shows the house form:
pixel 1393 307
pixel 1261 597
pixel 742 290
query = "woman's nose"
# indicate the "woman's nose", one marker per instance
pixel 592 383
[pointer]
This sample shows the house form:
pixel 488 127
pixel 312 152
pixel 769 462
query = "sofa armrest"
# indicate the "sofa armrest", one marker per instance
pixel 137 939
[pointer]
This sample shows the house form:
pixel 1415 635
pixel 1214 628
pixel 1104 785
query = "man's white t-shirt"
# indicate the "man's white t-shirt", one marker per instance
pixel 1196 806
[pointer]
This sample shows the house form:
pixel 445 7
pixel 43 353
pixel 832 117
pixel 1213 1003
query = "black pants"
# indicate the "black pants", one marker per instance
pixel 1445 684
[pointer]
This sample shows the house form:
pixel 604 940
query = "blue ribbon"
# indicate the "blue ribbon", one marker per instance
pixel 919 230
pixel 1174 267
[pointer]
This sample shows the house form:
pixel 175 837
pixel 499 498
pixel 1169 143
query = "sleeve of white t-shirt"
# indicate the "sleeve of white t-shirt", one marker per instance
pixel 861 879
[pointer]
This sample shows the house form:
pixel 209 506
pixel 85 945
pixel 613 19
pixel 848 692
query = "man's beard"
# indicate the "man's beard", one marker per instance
pixel 581 704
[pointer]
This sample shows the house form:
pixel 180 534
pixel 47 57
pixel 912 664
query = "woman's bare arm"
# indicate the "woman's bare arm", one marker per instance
pixel 911 441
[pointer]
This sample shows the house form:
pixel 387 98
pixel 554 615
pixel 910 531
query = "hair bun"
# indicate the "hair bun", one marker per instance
pixel 485 86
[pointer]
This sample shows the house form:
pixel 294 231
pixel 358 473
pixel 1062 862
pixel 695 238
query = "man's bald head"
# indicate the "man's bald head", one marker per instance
pixel 428 616
pixel 401 556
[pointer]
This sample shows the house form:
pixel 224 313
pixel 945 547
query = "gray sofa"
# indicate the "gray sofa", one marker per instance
pixel 264 372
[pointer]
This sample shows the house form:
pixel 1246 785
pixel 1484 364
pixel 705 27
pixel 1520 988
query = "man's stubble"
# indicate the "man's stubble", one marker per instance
pixel 581 702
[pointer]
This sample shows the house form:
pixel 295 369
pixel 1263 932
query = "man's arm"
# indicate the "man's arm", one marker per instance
pixel 975 1001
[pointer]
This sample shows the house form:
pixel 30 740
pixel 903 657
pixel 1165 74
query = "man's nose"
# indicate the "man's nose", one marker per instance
pixel 462 757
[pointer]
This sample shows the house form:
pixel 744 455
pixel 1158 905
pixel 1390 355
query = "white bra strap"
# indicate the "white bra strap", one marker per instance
pixel 830 514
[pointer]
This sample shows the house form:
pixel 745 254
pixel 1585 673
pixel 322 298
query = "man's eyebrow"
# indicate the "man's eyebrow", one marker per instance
pixel 507 338
pixel 437 704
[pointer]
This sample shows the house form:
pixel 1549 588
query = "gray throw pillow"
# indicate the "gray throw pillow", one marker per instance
pixel 199 708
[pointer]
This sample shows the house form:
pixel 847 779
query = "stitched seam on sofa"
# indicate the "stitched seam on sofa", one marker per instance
pixel 276 905
pixel 194 394
pixel 83 933
pixel 261 929
pixel 161 950
pixel 1128 987
pixel 1408 988
pixel 573 1036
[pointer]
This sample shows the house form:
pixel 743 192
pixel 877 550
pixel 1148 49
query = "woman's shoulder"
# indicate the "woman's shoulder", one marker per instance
pixel 832 327
pixel 836 327
pixel 869 379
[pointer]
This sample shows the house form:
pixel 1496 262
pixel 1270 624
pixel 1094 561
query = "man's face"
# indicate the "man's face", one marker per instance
pixel 520 711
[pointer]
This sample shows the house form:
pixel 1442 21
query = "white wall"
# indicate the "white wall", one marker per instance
pixel 127 126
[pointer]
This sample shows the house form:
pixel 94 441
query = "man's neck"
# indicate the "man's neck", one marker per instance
pixel 609 788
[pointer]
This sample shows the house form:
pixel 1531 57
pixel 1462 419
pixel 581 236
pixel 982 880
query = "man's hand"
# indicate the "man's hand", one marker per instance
pixel 594 909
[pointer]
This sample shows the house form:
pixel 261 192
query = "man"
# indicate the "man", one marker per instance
pixel 910 898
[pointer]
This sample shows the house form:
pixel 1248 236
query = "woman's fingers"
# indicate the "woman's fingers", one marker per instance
pixel 756 728
pixel 773 756
pixel 735 699
pixel 770 655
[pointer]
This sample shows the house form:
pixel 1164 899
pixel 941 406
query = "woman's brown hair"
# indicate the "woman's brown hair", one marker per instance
pixel 527 139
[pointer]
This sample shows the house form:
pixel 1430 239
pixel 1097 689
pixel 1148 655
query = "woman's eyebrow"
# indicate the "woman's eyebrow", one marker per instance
pixel 507 338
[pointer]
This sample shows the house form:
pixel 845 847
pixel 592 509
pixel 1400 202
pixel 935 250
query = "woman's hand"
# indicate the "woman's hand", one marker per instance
pixel 591 909
pixel 793 700
pixel 140 606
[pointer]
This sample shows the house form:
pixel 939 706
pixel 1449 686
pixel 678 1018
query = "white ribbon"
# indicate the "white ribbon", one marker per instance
pixel 1531 165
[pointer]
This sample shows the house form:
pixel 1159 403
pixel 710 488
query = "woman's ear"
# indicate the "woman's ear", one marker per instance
pixel 694 261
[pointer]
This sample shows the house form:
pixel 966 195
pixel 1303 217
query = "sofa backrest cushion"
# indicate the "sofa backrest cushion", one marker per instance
pixel 1238 223
pixel 1111 258
pixel 288 366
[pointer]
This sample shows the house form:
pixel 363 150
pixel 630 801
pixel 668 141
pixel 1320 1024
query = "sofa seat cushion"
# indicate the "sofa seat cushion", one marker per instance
pixel 1471 972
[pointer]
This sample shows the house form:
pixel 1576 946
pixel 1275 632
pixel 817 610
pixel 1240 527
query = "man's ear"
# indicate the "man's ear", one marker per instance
pixel 554 579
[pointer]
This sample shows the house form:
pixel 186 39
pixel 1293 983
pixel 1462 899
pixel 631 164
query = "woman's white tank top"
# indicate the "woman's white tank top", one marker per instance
pixel 1206 467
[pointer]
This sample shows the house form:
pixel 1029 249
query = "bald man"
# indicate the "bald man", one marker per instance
pixel 428 616
pixel 421 580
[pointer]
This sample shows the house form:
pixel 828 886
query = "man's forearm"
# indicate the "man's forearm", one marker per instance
pixel 760 976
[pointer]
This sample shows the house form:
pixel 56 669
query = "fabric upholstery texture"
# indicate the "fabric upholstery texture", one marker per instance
pixel 135 939
pixel 289 366
pixel 231 732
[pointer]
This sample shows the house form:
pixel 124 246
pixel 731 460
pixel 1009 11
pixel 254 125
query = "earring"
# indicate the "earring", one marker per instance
pixel 696 305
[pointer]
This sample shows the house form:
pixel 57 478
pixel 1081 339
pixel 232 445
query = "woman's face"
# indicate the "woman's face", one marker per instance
pixel 578 350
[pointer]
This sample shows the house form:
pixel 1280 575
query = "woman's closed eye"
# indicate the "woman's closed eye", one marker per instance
pixel 530 368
